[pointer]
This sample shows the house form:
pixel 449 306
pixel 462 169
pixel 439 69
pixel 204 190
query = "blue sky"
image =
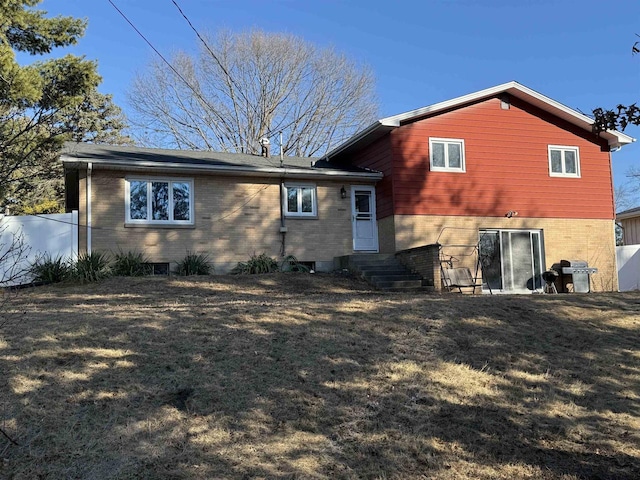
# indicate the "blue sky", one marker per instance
pixel 577 52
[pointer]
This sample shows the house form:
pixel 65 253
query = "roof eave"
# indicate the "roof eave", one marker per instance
pixel 614 138
pixel 227 170
pixel 374 131
pixel 633 213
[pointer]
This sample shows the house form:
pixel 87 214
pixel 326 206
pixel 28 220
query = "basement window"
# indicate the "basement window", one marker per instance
pixel 158 268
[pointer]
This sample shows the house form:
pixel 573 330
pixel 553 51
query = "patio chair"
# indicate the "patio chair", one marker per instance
pixel 459 277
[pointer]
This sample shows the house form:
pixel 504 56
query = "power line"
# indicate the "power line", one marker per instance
pixel 220 64
pixel 173 69
pixel 217 219
pixel 178 74
pixel 154 48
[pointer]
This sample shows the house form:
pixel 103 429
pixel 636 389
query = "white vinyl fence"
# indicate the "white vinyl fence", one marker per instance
pixel 23 239
pixel 628 258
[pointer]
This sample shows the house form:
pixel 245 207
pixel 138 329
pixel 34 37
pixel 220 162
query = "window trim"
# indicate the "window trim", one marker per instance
pixel 300 213
pixel 447 168
pixel 563 149
pixel 149 180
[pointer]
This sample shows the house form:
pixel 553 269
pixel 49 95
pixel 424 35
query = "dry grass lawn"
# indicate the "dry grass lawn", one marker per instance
pixel 314 377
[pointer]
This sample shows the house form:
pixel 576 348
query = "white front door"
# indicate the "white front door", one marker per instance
pixel 365 228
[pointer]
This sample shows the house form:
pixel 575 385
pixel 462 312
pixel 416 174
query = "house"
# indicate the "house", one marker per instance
pixel 628 254
pixel 166 203
pixel 629 221
pixel 505 174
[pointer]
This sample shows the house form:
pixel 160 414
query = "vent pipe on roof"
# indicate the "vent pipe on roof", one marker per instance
pixel 264 143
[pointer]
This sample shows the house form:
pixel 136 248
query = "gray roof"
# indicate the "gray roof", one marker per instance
pixel 630 213
pixel 136 158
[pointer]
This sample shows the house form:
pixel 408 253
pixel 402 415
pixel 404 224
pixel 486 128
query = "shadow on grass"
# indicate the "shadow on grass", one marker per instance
pixel 303 377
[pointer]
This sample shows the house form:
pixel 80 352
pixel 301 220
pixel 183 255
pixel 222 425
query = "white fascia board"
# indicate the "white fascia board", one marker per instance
pixel 383 123
pixel 291 172
pixel 454 102
pixel 615 138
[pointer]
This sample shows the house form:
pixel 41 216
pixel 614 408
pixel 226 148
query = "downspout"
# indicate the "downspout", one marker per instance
pixel 283 226
pixel 89 169
pixel 613 203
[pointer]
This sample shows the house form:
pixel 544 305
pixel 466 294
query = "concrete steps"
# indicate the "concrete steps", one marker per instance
pixel 383 271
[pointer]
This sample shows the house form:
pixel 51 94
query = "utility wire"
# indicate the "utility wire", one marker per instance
pixel 217 219
pixel 220 64
pixel 175 71
pixel 157 51
pixel 186 82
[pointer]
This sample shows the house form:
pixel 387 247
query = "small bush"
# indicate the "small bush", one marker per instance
pixel 291 264
pixel 50 270
pixel 130 264
pixel 194 264
pixel 255 265
pixel 91 267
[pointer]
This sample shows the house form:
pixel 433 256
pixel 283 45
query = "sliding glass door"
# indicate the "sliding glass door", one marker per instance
pixel 512 260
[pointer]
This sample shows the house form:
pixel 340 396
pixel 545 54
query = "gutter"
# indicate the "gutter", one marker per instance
pixel 291 172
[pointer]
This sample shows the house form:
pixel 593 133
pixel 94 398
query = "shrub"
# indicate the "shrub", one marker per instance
pixel 130 264
pixel 194 264
pixel 256 264
pixel 44 207
pixel 291 264
pixel 91 267
pixel 48 269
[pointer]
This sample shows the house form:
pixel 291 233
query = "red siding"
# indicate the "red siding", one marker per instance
pixel 377 156
pixel 507 166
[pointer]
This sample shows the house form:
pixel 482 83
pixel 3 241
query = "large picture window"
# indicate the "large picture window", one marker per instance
pixel 300 201
pixel 446 155
pixel 564 161
pixel 159 201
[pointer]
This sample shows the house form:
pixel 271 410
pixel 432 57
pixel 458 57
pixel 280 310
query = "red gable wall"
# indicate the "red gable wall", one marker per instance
pixel 507 166
pixel 378 156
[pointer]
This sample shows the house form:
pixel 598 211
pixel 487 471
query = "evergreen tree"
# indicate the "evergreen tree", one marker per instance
pixel 44 104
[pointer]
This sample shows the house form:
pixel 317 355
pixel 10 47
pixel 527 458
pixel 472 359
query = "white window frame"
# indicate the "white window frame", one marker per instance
pixel 300 213
pixel 563 149
pixel 149 220
pixel 446 141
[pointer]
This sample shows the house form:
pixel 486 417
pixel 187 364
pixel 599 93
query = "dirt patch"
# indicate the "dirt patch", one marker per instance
pixel 316 376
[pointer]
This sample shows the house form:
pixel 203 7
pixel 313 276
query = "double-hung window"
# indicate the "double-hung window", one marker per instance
pixel 159 201
pixel 300 200
pixel 564 161
pixel 446 155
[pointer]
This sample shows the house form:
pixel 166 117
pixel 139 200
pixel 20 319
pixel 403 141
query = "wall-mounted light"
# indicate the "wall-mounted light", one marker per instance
pixel 511 214
pixel 343 192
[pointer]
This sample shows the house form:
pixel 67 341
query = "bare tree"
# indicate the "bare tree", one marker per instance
pixel 239 88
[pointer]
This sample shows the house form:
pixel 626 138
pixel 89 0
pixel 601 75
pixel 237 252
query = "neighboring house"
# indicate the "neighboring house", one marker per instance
pixel 506 171
pixel 629 221
pixel 166 203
